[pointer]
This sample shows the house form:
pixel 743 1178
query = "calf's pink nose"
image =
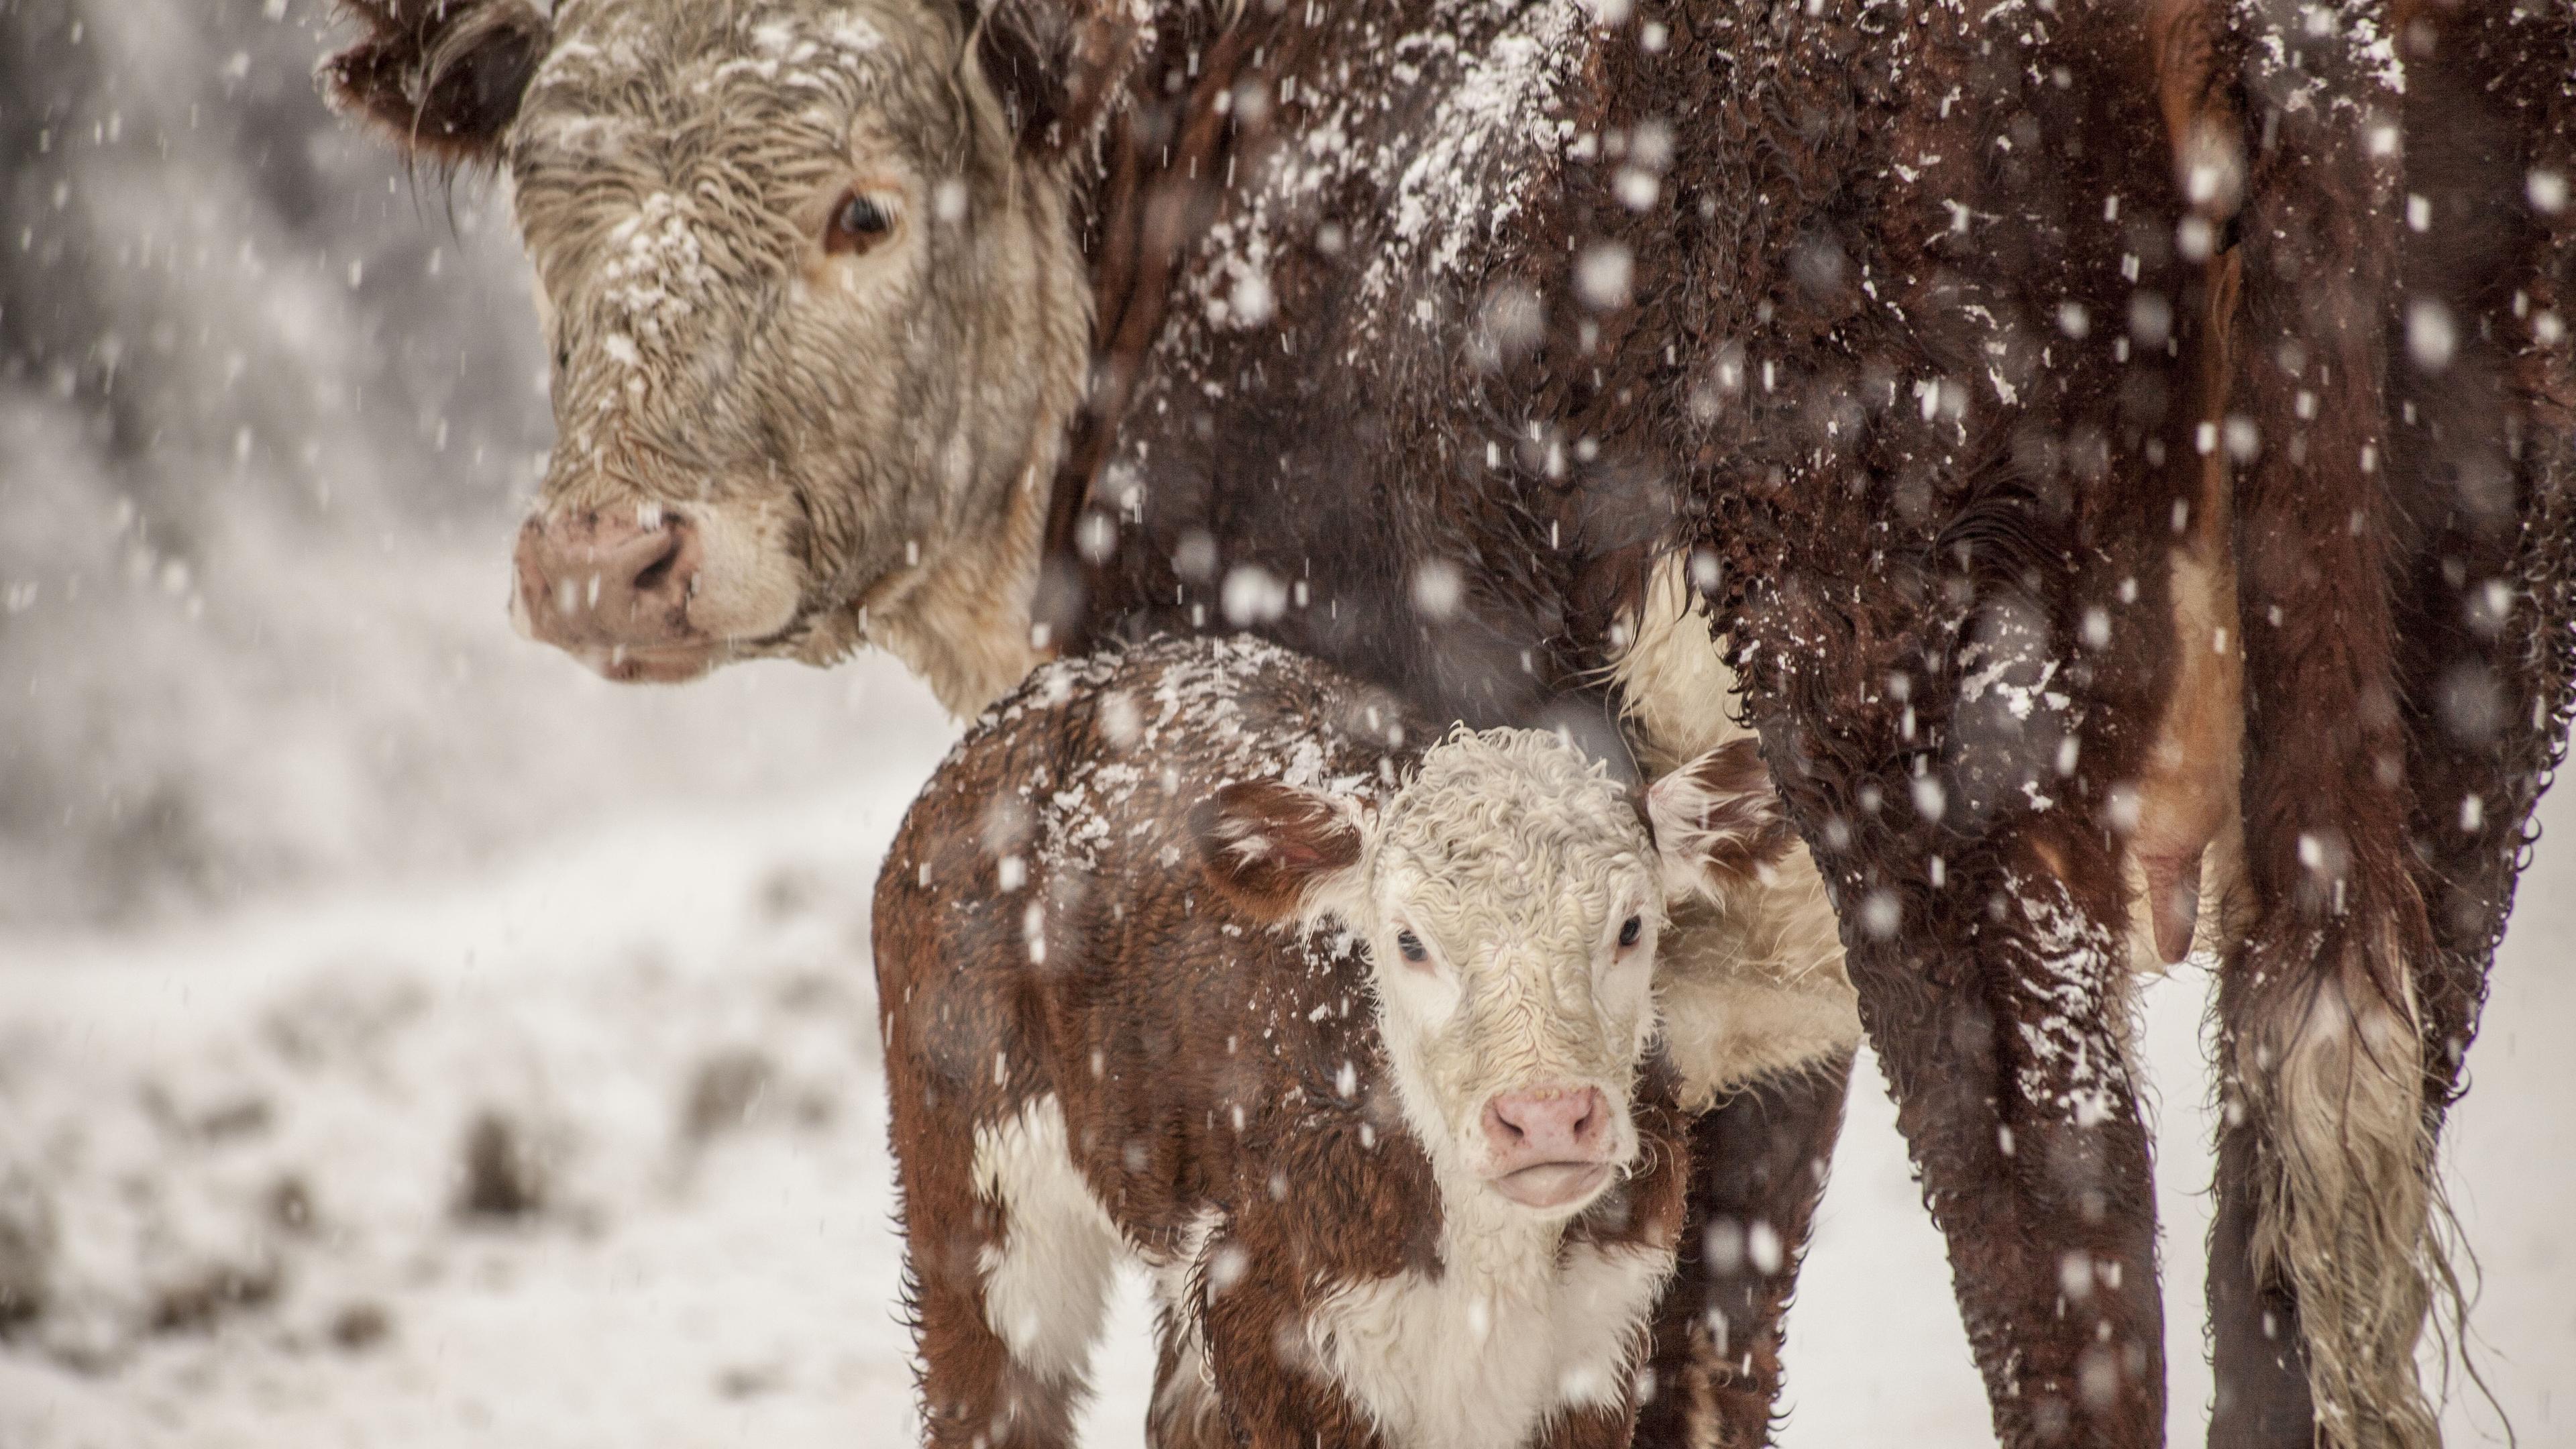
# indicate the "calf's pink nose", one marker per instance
pixel 592 582
pixel 1548 1124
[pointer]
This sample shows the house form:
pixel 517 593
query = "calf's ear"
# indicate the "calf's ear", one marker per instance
pixel 443 77
pixel 1717 820
pixel 1273 849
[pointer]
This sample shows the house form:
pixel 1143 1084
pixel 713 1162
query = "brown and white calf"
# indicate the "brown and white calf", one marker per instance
pixel 1193 950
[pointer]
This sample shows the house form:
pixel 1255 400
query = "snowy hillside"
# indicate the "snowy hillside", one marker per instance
pixel 551 1158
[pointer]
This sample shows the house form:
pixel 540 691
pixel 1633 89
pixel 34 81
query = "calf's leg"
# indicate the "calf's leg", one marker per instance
pixel 1269 1392
pixel 1185 1413
pixel 1007 1264
pixel 1758 1162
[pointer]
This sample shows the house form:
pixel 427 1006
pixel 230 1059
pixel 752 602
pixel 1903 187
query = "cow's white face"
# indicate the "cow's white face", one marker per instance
pixel 816 320
pixel 796 294
pixel 1511 896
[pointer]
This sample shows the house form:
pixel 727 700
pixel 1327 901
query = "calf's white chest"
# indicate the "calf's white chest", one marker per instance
pixel 1483 1353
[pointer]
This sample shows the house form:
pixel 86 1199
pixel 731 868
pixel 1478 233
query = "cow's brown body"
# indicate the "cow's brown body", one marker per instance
pixel 2123 449
pixel 1915 353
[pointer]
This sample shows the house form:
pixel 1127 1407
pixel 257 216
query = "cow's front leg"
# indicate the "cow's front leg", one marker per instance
pixel 1758 1163
pixel 1993 986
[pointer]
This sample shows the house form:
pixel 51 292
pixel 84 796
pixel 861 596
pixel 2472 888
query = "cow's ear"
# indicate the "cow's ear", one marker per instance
pixel 1717 821
pixel 1051 63
pixel 443 77
pixel 1276 850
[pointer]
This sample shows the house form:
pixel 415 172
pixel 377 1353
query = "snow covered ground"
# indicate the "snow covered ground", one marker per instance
pixel 587 1150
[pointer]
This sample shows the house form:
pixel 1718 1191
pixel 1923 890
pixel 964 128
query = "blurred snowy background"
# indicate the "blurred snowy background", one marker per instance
pixel 406 1039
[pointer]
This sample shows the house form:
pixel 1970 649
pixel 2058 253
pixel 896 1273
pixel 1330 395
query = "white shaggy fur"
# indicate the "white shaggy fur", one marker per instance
pixel 1047 1284
pixel 1753 984
pixel 1512 1333
pixel 2347 1197
pixel 1515 865
pixel 676 168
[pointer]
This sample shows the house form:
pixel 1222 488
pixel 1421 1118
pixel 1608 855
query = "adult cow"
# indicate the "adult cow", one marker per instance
pixel 2122 449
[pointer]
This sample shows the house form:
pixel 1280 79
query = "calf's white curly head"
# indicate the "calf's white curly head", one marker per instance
pixel 1510 895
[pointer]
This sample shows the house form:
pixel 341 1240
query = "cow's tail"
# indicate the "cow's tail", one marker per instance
pixel 2328 1197
pixel 2326 1072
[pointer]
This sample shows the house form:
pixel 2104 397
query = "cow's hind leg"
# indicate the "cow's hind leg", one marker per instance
pixel 1983 926
pixel 2486 476
pixel 1758 1163
pixel 2484 471
pixel 2318 1262
pixel 2404 544
pixel 2346 1034
pixel 1010 1260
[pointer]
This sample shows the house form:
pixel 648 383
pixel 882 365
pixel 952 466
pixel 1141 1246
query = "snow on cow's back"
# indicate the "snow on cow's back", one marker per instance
pixel 1485 86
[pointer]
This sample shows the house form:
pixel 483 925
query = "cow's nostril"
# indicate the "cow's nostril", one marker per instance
pixel 604 581
pixel 653 575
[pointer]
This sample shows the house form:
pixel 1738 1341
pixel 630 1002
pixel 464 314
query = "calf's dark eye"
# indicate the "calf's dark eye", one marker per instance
pixel 858 224
pixel 1630 930
pixel 1412 948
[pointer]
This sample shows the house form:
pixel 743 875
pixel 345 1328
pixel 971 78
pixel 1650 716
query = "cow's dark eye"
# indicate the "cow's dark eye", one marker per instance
pixel 1630 931
pixel 859 224
pixel 1412 948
